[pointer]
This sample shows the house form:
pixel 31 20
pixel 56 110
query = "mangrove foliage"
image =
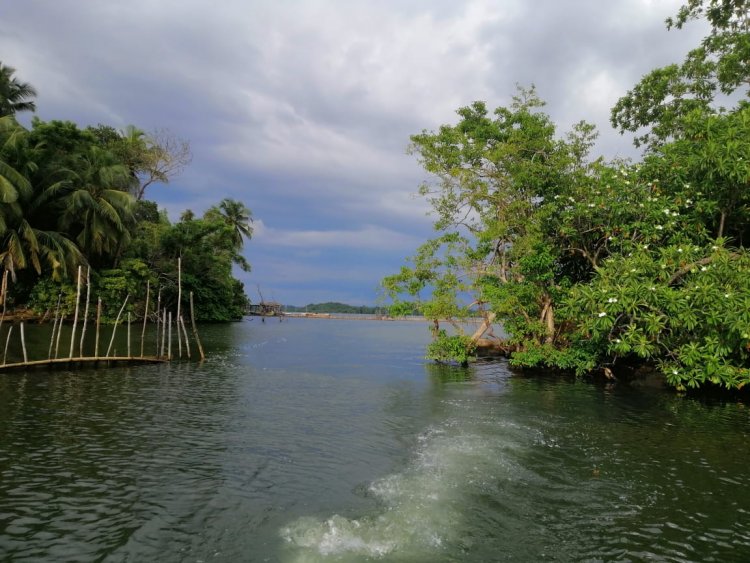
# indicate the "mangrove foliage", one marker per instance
pixel 595 265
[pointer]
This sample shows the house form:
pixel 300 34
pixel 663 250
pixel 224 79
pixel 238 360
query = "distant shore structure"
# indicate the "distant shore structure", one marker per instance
pixel 265 309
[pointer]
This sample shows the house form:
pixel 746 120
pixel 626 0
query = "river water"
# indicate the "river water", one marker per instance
pixel 317 440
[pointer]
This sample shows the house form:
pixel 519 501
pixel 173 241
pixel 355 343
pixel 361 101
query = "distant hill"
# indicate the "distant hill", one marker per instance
pixel 334 307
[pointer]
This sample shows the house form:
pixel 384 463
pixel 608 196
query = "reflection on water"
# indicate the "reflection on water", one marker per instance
pixel 315 440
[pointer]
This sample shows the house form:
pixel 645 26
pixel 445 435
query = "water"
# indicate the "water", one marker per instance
pixel 317 440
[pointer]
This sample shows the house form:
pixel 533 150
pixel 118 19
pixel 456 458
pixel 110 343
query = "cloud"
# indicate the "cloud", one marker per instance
pixel 368 237
pixel 303 110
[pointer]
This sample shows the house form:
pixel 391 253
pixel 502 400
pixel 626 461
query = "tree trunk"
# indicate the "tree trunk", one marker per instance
pixel 548 319
pixel 486 324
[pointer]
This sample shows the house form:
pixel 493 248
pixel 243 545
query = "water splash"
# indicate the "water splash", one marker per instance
pixel 420 510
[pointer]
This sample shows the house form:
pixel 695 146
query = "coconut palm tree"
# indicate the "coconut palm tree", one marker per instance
pixel 11 181
pixel 15 96
pixel 237 216
pixel 98 208
pixel 27 238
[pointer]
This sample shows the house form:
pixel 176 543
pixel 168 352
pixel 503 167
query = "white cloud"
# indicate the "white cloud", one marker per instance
pixel 368 237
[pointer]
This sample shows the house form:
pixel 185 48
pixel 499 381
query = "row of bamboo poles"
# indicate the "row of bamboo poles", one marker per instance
pixel 164 324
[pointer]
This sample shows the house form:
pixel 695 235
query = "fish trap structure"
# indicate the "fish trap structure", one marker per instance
pixel 169 325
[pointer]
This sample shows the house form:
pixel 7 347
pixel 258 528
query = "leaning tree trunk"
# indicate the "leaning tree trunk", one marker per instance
pixel 548 320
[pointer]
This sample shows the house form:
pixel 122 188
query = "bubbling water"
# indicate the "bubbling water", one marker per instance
pixel 420 511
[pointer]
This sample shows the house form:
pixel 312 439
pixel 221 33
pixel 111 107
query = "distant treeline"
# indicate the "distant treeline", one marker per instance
pixel 334 307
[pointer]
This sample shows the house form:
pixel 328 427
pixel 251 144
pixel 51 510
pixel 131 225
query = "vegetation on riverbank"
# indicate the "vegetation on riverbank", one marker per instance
pixel 75 196
pixel 334 307
pixel 592 265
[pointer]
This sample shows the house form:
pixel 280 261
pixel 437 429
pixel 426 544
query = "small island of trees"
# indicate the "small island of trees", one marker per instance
pixel 75 196
pixel 599 266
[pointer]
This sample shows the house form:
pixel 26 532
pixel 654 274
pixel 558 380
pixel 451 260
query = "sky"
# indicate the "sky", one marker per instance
pixel 303 110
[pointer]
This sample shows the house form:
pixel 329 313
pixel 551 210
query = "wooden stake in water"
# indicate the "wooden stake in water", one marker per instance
pixel 59 332
pixel 184 332
pixel 169 338
pixel 54 327
pixel 158 320
pixel 117 321
pixel 4 296
pixel 129 335
pixel 195 329
pixel 179 303
pixel 75 316
pixel 163 331
pixel 85 311
pixel 145 315
pixel 23 345
pixel 7 341
pixel 98 322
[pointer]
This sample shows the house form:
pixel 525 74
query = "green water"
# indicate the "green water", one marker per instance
pixel 315 440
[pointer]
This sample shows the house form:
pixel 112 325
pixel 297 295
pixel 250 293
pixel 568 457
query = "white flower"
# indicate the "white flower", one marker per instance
pixel 703 268
pixel 659 228
pixel 674 371
pixel 632 270
pixel 612 300
pixel 617 340
pixel 679 250
pixel 602 314
pixel 667 212
pixel 714 248
pixel 571 199
pixel 645 247
pixel 652 288
pixel 591 205
pixel 726 296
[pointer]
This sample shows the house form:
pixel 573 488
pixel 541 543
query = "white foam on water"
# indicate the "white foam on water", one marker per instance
pixel 420 509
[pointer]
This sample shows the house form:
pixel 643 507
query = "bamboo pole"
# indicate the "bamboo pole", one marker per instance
pixel 23 345
pixel 145 314
pixel 75 316
pixel 184 332
pixel 163 331
pixel 98 321
pixel 54 327
pixel 179 303
pixel 114 328
pixel 59 332
pixel 195 328
pixel 7 341
pixel 4 296
pixel 85 311
pixel 169 339
pixel 158 320
pixel 129 356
